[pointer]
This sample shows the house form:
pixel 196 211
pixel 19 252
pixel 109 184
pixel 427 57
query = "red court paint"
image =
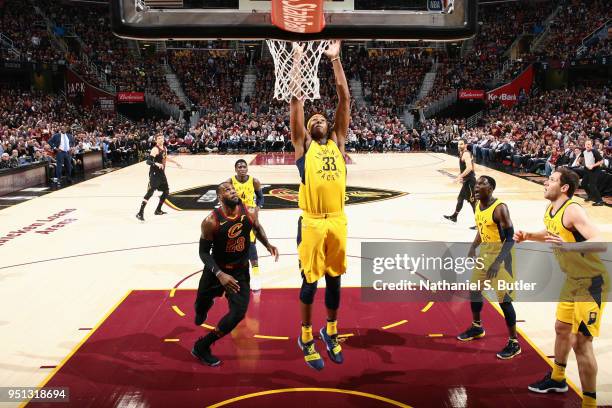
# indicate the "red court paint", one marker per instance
pixel 126 361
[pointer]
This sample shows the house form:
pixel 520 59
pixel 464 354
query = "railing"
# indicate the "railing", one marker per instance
pixel 473 120
pixel 156 102
pixel 10 45
pixel 601 31
pixel 124 118
pixel 547 23
pixel 442 103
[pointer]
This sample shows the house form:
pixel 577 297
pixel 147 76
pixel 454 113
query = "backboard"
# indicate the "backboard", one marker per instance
pixel 251 19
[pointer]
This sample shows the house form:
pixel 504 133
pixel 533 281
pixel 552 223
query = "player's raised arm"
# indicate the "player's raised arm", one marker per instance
pixel 298 132
pixel 343 111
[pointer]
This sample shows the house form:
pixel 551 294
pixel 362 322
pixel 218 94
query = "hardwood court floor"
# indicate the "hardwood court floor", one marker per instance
pixel 68 257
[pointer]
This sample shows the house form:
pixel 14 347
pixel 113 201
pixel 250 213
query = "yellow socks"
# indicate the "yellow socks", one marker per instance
pixel 558 373
pixel 306 334
pixel 589 400
pixel 332 328
pixel 255 270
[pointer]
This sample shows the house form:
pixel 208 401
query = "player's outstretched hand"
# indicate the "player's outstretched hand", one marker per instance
pixel 273 251
pixel 333 49
pixel 519 236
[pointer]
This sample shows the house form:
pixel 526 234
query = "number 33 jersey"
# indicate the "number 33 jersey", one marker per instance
pixel 323 173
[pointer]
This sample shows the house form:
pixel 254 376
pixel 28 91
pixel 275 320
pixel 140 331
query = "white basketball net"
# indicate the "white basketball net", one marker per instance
pixel 295 68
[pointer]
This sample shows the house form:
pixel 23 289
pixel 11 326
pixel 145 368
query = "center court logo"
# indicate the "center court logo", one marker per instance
pixel 277 196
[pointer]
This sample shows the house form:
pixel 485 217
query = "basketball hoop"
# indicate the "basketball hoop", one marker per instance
pixel 295 68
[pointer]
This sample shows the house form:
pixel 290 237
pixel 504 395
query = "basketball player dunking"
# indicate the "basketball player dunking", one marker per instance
pixel 157 176
pixel 226 233
pixel 586 285
pixel 249 191
pixel 322 228
pixel 495 239
pixel 468 180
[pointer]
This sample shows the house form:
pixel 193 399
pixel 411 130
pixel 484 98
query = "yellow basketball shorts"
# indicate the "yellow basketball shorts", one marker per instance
pixel 322 245
pixel 585 312
pixel 252 237
pixel 496 283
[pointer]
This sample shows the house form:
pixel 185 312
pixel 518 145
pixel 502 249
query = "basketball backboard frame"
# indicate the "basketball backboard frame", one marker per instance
pixel 132 19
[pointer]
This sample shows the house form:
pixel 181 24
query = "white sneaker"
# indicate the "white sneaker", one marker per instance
pixel 255 283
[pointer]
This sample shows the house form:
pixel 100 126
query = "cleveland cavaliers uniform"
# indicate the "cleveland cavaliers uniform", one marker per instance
pixel 322 227
pixel 586 284
pixel 490 234
pixel 469 182
pixel 231 253
pixel 157 176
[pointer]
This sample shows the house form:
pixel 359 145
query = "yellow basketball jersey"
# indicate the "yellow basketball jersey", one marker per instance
pixel 246 190
pixel 575 264
pixel 488 229
pixel 323 173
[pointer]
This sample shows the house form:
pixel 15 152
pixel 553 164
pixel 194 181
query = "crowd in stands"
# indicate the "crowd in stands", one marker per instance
pixel 532 137
pixel 565 35
pixel 502 23
pixel 27 31
pixel 545 131
pixel 29 119
pixel 212 81
pixel 390 78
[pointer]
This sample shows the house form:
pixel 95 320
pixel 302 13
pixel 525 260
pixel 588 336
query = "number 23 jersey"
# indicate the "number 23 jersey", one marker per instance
pixel 323 173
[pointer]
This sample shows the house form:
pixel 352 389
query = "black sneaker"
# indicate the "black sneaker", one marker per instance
pixel 473 227
pixel 598 204
pixel 473 333
pixel 140 216
pixel 311 357
pixel 513 348
pixel 334 350
pixel 159 212
pixel 548 385
pixel 206 357
pixel 452 218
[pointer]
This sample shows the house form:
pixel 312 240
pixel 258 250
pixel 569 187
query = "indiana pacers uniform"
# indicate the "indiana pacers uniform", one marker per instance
pixel 586 285
pixel 246 192
pixel 322 228
pixel 490 235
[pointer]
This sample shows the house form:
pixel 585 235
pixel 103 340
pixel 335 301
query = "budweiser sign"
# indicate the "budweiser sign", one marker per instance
pixel 298 16
pixel 508 94
pixel 471 94
pixel 130 97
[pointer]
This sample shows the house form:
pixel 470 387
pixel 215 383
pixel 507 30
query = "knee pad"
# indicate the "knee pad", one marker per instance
pixel 332 292
pixel 307 292
pixel 149 194
pixel 164 195
pixel 509 313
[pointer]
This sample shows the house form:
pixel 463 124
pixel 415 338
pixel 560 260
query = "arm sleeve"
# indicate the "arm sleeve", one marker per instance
pixel 206 256
pixel 150 160
pixel 259 198
pixel 507 237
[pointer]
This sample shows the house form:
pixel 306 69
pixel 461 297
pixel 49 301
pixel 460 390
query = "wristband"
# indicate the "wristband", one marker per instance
pixel 335 59
pixel 218 272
